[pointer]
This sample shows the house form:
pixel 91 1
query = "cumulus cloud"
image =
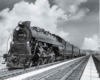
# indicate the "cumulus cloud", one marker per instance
pixel 91 43
pixel 80 14
pixel 64 35
pixel 72 8
pixel 40 14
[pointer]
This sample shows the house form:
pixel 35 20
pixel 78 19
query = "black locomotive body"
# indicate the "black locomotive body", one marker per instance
pixel 35 46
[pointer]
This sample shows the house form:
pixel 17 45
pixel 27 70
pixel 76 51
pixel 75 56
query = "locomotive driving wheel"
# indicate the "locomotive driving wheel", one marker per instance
pixel 53 59
pixel 43 61
pixel 40 61
pixel 37 63
pixel 30 63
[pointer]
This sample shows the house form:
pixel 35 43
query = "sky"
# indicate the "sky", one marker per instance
pixel 77 21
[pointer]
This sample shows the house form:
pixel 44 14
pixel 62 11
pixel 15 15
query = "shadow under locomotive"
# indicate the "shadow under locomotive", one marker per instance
pixel 35 46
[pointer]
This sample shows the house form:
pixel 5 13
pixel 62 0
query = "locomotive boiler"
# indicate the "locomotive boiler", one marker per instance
pixel 35 46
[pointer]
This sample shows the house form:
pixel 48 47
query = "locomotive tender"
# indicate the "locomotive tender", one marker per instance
pixel 35 46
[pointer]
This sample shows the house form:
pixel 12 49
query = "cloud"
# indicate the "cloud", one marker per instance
pixel 91 43
pixel 92 9
pixel 79 29
pixel 7 4
pixel 71 7
pixel 64 35
pixel 40 14
pixel 79 15
pixel 67 4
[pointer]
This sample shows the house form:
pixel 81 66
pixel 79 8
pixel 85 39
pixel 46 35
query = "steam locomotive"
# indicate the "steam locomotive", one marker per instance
pixel 35 46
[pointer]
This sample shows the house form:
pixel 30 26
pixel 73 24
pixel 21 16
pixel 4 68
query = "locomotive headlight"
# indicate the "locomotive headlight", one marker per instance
pixel 12 42
pixel 17 29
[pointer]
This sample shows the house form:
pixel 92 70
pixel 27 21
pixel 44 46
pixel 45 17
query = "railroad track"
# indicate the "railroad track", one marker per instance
pixel 77 72
pixel 62 72
pixel 5 73
pixel 3 70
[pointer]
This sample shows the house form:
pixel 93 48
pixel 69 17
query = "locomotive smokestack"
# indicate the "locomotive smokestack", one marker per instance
pixel 26 23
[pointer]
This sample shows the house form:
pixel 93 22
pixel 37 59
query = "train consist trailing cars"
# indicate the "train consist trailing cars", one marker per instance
pixel 35 46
